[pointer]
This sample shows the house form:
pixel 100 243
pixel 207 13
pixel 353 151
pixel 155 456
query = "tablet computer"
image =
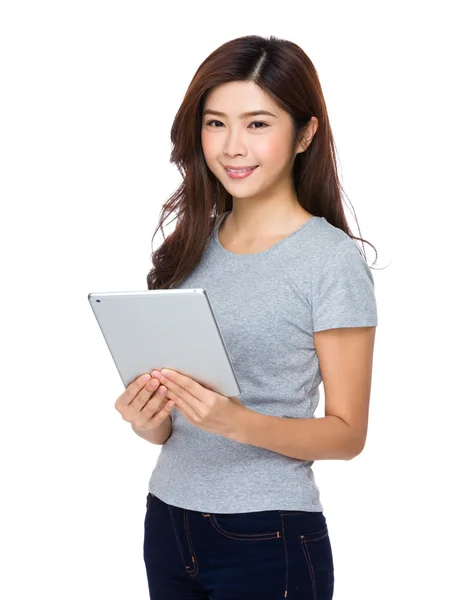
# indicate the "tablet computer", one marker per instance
pixel 174 328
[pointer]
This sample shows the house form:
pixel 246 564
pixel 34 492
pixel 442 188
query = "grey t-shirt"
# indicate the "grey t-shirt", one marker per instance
pixel 267 305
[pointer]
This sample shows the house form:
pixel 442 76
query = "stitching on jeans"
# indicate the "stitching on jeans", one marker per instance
pixel 309 541
pixel 191 571
pixel 175 535
pixel 286 558
pixel 309 566
pixel 243 536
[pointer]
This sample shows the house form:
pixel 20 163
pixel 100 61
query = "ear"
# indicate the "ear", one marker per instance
pixel 307 135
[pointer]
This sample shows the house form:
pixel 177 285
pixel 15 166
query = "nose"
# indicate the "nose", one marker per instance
pixel 234 143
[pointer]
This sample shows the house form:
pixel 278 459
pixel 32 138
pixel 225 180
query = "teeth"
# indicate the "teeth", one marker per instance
pixel 240 170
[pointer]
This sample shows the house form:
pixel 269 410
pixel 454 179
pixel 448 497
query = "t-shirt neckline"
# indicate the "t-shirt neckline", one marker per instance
pixel 257 254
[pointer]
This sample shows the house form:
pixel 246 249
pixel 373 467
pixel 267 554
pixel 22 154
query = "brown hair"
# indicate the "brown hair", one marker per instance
pixel 284 71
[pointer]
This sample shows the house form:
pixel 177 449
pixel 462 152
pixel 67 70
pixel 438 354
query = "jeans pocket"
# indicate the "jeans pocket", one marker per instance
pixel 261 525
pixel 317 551
pixel 315 536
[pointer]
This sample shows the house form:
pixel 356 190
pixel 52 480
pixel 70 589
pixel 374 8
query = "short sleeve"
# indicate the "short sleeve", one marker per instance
pixel 343 289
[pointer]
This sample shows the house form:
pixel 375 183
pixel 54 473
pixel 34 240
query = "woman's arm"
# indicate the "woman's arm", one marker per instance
pixel 345 357
pixel 156 436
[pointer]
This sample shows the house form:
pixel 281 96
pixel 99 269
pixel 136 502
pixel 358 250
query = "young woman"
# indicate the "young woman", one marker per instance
pixel 233 509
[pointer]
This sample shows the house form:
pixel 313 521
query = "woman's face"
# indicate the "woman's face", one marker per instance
pixel 262 140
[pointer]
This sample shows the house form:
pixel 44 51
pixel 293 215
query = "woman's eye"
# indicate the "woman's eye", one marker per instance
pixel 253 123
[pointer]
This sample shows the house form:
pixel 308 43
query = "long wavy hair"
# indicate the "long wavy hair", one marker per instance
pixel 284 72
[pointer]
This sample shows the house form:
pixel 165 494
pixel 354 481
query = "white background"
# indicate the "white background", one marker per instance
pixel 89 90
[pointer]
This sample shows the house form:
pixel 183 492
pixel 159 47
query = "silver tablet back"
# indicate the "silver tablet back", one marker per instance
pixel 176 329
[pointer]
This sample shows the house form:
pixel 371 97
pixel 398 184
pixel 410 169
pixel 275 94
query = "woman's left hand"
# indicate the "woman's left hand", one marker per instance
pixel 200 406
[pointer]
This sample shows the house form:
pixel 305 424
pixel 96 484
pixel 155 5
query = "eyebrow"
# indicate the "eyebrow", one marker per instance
pixel 252 113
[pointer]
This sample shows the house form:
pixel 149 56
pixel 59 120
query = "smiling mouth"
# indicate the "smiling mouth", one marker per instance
pixel 239 168
pixel 245 170
pixel 239 174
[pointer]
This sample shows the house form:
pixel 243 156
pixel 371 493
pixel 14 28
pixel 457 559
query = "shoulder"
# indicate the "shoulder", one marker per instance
pixel 332 248
pixel 342 284
pixel 328 236
pixel 337 260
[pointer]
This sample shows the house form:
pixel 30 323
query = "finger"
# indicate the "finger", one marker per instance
pixel 153 406
pixel 184 406
pixel 177 387
pixel 162 410
pixel 131 412
pixel 131 391
pixel 185 382
pixel 144 395
pixel 159 417
pixel 155 402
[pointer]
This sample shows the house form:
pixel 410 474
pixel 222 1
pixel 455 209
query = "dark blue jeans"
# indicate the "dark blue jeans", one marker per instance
pixel 263 555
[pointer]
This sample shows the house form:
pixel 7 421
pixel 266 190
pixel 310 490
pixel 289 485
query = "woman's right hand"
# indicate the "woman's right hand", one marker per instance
pixel 138 407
